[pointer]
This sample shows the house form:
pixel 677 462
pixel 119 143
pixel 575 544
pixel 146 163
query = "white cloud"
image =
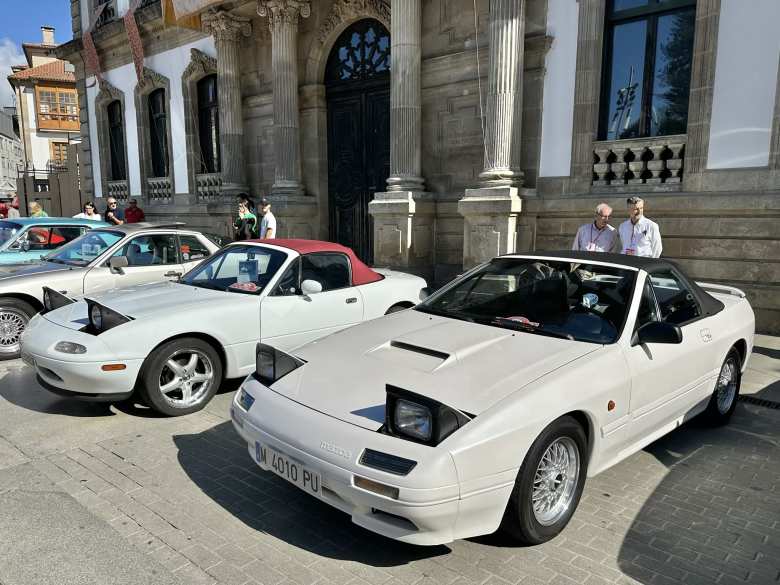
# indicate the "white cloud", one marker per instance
pixel 9 55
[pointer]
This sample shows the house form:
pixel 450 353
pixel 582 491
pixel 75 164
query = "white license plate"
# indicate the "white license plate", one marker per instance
pixel 288 468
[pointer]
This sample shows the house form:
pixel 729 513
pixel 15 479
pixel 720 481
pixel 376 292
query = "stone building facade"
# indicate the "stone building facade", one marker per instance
pixel 497 125
pixel 10 154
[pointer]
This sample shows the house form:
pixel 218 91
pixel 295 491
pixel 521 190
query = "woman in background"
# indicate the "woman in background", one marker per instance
pixel 36 210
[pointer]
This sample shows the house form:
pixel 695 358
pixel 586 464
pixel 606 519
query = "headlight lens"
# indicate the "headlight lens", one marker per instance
pixel 53 300
pixel 96 317
pixel 70 347
pixel 272 365
pixel 102 318
pixel 413 420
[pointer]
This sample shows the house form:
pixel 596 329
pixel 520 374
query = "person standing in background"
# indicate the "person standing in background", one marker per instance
pixel 133 213
pixel 88 212
pixel 245 225
pixel 640 236
pixel 114 213
pixel 598 235
pixel 36 210
pixel 268 221
pixel 13 209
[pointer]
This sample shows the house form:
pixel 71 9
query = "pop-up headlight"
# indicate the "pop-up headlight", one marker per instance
pixel 272 365
pixel 420 419
pixel 102 318
pixel 53 300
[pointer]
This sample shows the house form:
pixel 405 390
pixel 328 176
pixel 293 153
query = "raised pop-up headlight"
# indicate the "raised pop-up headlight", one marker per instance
pixel 272 365
pixel 53 300
pixel 102 318
pixel 420 419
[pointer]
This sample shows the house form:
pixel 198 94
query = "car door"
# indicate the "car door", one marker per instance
pixel 151 257
pixel 668 379
pixel 291 318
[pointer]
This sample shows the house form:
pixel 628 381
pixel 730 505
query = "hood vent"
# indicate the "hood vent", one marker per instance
pixel 422 350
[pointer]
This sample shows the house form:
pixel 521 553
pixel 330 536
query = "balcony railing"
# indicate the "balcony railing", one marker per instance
pixel 158 190
pixel 119 190
pixel 109 12
pixel 641 161
pixel 208 187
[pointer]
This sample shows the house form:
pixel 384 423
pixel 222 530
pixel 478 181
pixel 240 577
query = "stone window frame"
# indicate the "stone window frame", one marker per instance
pixel 149 82
pixel 105 97
pixel 200 66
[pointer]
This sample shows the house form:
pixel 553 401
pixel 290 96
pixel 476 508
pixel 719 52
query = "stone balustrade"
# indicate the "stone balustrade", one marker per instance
pixel 642 161
pixel 158 190
pixel 119 190
pixel 208 187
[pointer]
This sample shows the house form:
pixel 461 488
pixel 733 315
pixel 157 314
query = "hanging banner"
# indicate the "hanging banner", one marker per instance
pixel 91 57
pixel 172 18
pixel 134 36
pixel 184 8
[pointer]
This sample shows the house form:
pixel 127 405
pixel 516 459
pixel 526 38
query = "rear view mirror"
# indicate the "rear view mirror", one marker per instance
pixel 311 287
pixel 657 332
pixel 117 263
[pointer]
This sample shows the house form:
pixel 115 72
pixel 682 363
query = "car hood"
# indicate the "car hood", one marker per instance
pixel 33 269
pixel 464 365
pixel 139 302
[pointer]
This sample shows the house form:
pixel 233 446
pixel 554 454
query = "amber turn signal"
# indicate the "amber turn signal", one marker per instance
pixel 376 487
pixel 113 367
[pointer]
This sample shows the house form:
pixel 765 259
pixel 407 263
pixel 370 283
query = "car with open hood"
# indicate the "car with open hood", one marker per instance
pixel 174 342
pixel 28 239
pixel 489 403
pixel 100 260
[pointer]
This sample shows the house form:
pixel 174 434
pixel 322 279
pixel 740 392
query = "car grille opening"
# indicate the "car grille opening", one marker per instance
pixel 394 519
pixel 386 462
pixel 47 373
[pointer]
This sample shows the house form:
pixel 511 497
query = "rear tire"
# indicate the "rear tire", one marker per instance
pixel 14 317
pixel 181 376
pixel 549 484
pixel 723 401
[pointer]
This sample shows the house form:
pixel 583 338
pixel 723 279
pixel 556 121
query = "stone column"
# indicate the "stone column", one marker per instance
pixel 227 31
pixel 284 16
pixel 404 215
pixel 490 213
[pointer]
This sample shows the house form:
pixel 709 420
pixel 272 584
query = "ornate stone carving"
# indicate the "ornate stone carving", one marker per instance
pixel 344 11
pixel 108 93
pixel 200 65
pixel 224 26
pixel 284 11
pixel 150 80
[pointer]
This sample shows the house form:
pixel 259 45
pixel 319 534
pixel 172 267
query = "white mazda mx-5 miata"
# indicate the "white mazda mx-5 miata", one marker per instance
pixel 489 403
pixel 174 342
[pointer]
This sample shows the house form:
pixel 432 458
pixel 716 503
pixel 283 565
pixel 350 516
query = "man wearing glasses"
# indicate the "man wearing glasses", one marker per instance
pixel 114 214
pixel 639 236
pixel 597 236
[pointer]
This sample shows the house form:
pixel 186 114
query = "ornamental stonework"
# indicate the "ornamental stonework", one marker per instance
pixel 200 65
pixel 150 80
pixel 345 11
pixel 284 11
pixel 224 26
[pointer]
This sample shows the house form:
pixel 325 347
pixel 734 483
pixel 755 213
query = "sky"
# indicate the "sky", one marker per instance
pixel 21 23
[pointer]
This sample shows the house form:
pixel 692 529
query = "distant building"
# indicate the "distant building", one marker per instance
pixel 430 138
pixel 10 153
pixel 47 106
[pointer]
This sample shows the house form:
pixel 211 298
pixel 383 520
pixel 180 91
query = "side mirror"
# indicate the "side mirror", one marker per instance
pixel 657 332
pixel 117 263
pixel 311 287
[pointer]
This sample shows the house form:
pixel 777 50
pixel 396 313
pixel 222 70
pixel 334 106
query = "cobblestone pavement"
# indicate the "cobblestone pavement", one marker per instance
pixel 700 506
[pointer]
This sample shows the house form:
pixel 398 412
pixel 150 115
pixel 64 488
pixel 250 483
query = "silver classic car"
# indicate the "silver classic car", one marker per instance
pixel 102 259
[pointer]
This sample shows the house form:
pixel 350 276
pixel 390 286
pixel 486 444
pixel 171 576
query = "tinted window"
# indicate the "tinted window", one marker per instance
pixel 330 270
pixel 676 302
pixel 192 249
pixel 150 250
pixel 51 238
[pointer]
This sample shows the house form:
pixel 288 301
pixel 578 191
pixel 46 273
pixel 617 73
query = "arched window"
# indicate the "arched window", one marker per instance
pixel 208 125
pixel 116 141
pixel 158 133
pixel 361 52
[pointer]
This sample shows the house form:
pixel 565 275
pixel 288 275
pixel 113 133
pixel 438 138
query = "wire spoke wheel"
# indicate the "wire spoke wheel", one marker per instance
pixel 555 481
pixel 12 324
pixel 726 389
pixel 186 378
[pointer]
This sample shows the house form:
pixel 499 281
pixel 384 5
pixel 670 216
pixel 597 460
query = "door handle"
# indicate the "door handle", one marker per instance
pixel 351 300
pixel 173 274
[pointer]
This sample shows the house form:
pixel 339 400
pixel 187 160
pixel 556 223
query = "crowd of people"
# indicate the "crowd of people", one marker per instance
pixel 246 225
pixel 637 236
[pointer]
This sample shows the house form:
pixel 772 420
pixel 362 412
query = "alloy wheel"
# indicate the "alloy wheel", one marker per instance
pixel 555 481
pixel 12 325
pixel 186 377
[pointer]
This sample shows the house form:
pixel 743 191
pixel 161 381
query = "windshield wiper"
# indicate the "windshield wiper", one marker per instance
pixel 57 261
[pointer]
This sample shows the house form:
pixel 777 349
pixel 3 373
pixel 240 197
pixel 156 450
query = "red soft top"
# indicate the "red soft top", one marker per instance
pixel 361 274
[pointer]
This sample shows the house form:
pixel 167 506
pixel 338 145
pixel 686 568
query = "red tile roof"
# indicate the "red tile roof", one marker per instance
pixel 53 71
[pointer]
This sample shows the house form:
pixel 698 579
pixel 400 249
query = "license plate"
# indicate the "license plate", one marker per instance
pixel 290 469
pixel 28 359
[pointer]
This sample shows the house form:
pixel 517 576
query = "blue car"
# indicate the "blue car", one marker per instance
pixel 27 239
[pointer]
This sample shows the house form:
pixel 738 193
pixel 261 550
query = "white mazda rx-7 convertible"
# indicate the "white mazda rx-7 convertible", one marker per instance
pixel 174 342
pixel 489 403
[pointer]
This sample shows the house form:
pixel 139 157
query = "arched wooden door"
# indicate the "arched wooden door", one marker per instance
pixel 358 92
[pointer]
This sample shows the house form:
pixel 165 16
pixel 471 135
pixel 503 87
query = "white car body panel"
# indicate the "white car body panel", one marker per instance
pixel 516 383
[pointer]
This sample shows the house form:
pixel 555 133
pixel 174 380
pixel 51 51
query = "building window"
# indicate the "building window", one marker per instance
pixel 361 52
pixel 646 85
pixel 57 108
pixel 59 155
pixel 158 133
pixel 208 125
pixel 116 141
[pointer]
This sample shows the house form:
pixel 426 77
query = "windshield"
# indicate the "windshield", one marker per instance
pixel 8 230
pixel 582 302
pixel 244 269
pixel 83 250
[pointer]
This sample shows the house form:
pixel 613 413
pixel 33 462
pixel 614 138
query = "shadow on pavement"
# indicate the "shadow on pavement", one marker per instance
pixel 714 512
pixel 269 504
pixel 767 351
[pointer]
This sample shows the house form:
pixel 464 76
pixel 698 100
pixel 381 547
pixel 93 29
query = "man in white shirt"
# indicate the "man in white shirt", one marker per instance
pixel 268 223
pixel 597 236
pixel 638 235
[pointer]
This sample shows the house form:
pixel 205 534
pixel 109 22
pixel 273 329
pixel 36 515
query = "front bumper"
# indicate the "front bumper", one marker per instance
pixel 77 376
pixel 429 509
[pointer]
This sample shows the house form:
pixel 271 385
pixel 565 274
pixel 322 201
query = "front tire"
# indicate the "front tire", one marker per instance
pixel 14 317
pixel 723 401
pixel 181 376
pixel 549 485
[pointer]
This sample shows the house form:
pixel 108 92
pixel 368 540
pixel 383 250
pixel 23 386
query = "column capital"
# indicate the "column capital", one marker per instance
pixel 284 11
pixel 224 26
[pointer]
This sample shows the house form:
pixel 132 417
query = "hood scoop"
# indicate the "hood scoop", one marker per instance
pixel 419 349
